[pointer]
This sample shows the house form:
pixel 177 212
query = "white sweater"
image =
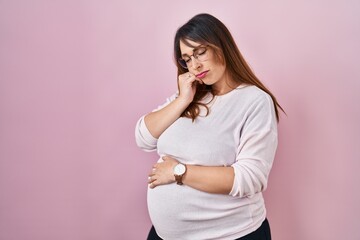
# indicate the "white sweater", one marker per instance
pixel 240 131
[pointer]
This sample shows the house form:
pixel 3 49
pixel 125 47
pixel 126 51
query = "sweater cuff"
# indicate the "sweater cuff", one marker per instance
pixel 236 186
pixel 144 137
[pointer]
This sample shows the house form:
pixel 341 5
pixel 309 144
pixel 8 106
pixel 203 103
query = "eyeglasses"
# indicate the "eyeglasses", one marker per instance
pixel 200 54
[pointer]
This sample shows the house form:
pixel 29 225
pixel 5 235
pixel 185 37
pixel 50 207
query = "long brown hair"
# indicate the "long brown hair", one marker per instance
pixel 206 29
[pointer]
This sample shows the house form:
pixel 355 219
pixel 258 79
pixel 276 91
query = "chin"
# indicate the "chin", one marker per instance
pixel 208 83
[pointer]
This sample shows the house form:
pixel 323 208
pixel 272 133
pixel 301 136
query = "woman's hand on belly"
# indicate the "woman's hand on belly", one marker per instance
pixel 162 172
pixel 210 179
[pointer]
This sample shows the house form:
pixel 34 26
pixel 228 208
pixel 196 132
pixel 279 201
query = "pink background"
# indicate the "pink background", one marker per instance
pixel 76 75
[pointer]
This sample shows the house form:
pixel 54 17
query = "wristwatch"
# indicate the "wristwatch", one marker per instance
pixel 179 171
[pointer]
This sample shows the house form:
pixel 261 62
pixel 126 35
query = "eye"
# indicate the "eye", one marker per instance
pixel 201 51
pixel 186 60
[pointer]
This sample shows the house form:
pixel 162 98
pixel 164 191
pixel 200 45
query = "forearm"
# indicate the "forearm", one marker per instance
pixel 157 122
pixel 209 179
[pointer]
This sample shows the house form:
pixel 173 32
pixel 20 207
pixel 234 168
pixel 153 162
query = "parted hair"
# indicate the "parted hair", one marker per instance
pixel 208 30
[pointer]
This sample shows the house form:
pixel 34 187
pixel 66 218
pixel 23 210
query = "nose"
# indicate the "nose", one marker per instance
pixel 195 63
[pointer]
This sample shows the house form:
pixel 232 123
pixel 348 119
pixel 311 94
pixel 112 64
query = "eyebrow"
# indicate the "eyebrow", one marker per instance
pixel 194 49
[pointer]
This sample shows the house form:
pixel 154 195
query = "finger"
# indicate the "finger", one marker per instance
pixel 167 158
pixel 151 179
pixel 187 83
pixel 194 81
pixel 190 78
pixel 199 80
pixel 186 77
pixel 153 184
pixel 153 170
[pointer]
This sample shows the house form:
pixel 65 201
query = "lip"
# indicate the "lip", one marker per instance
pixel 202 74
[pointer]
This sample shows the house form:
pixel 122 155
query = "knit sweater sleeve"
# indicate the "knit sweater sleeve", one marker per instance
pixel 143 137
pixel 256 149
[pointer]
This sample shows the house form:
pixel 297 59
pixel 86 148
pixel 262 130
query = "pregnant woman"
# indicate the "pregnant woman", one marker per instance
pixel 216 137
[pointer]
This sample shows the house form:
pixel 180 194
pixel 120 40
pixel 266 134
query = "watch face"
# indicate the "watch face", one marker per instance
pixel 179 169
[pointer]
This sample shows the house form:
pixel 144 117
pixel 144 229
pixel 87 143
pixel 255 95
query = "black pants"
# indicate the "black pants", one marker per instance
pixel 262 233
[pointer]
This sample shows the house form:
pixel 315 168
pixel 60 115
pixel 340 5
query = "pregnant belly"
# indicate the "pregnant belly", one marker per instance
pixel 175 210
pixel 171 204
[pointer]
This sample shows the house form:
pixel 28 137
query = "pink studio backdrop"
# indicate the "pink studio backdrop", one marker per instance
pixel 76 75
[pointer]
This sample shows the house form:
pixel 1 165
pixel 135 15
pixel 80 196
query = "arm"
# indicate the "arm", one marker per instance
pixel 203 178
pixel 157 122
pixel 257 148
pixel 149 127
pixel 248 175
pixel 209 179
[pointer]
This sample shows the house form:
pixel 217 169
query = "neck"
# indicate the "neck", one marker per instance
pixel 224 86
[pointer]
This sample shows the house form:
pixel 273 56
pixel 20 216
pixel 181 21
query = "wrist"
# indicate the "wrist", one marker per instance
pixel 183 101
pixel 179 172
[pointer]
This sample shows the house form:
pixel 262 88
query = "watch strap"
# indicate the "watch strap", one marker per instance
pixel 178 179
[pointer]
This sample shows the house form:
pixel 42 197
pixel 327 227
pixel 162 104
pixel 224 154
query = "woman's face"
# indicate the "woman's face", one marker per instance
pixel 202 62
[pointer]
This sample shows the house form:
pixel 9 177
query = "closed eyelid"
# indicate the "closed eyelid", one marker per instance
pixel 201 51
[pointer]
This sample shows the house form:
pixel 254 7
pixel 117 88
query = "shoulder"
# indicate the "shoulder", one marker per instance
pixel 260 107
pixel 252 95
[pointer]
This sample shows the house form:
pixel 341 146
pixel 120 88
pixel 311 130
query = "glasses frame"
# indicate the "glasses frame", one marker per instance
pixel 183 63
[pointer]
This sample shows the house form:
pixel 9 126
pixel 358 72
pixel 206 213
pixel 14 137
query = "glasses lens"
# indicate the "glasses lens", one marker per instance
pixel 201 54
pixel 182 63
